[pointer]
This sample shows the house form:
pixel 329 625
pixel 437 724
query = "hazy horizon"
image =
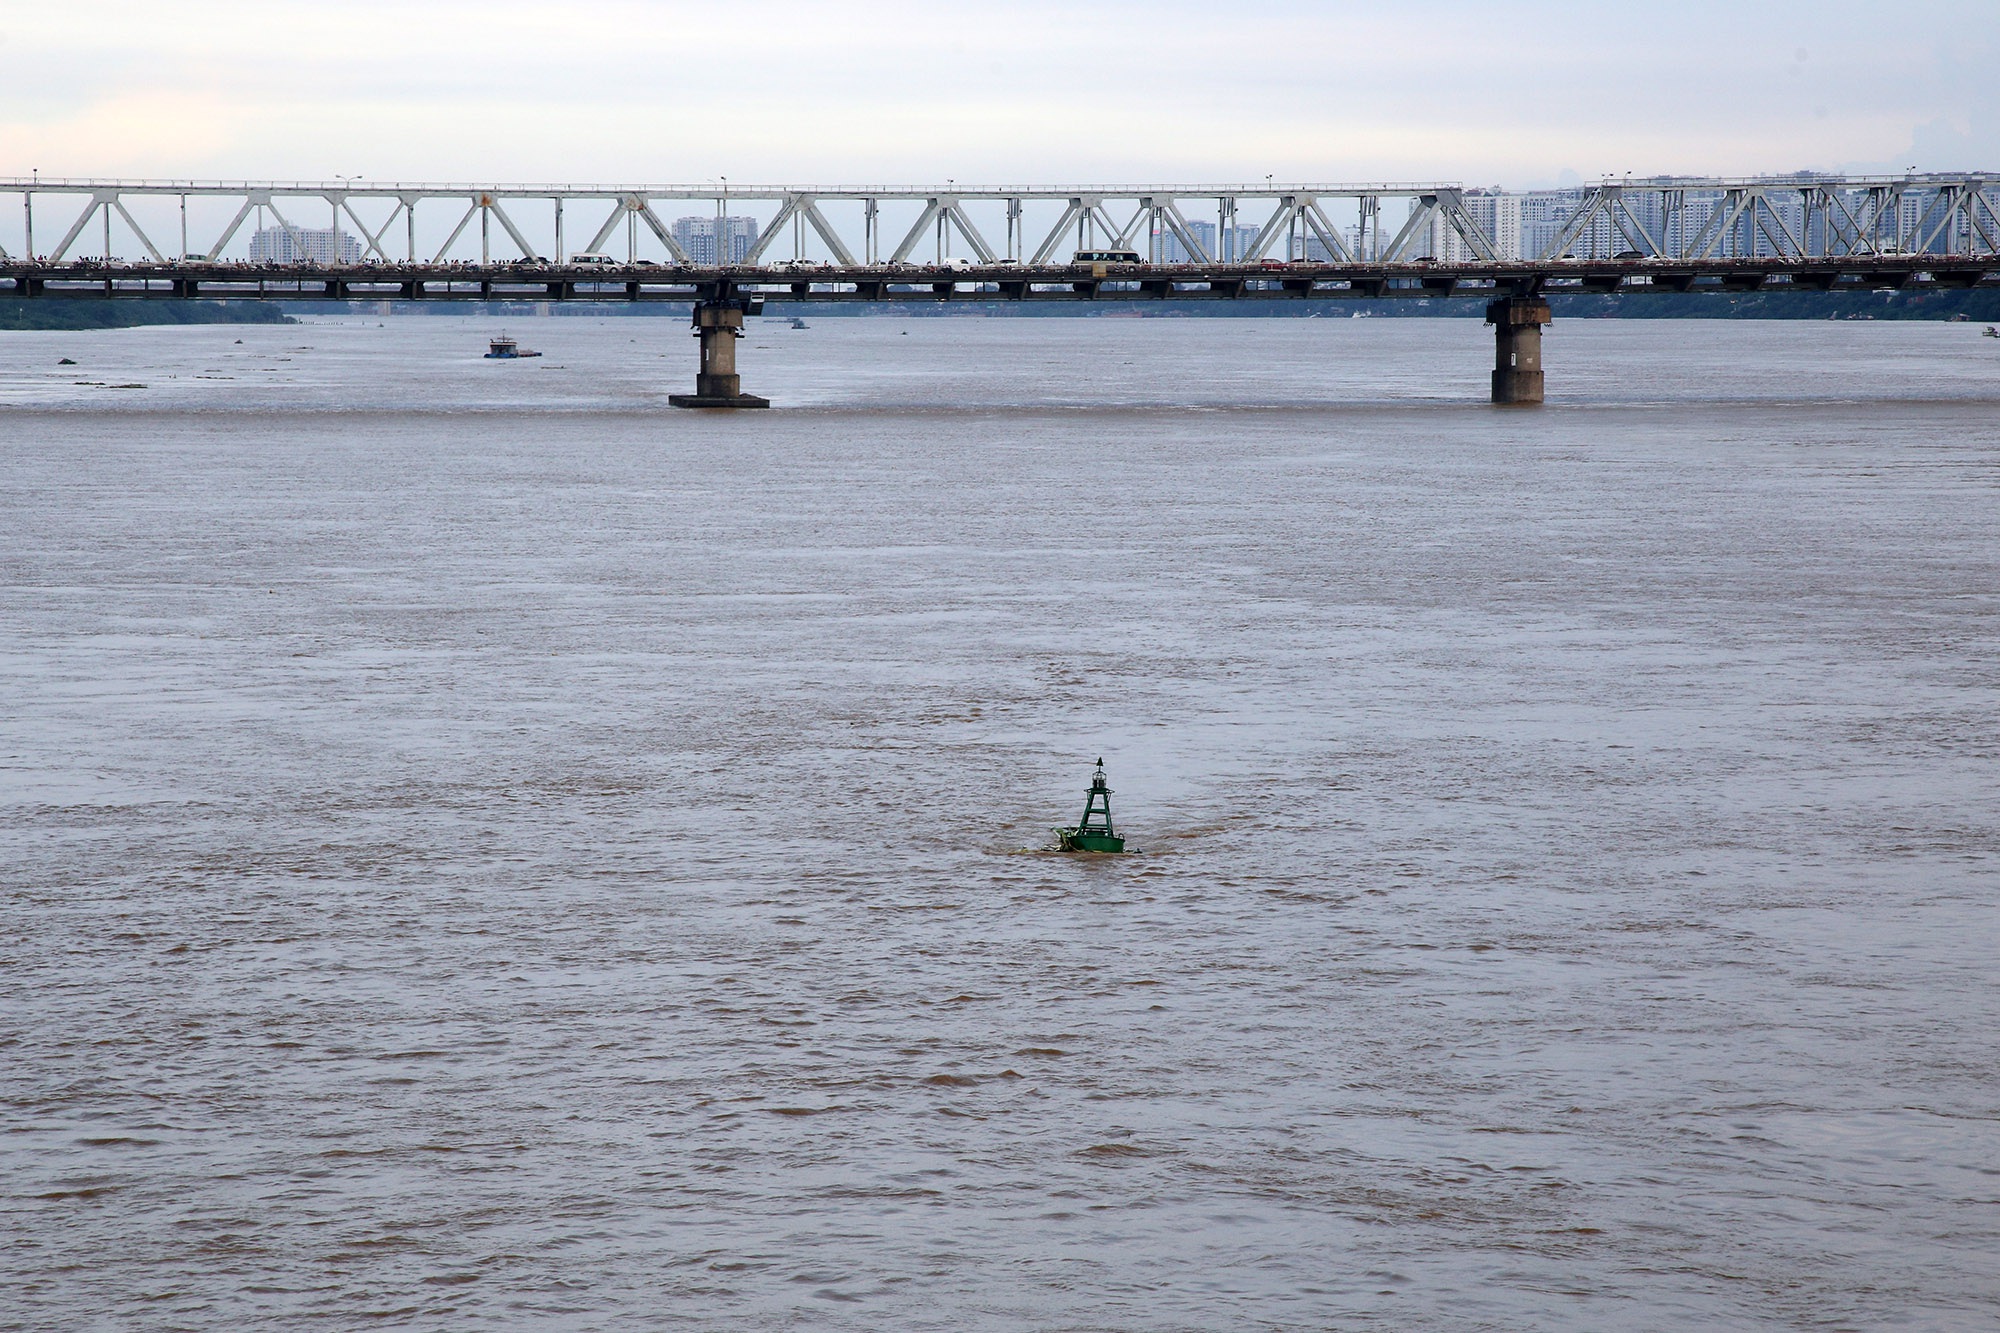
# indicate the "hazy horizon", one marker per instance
pixel 1016 92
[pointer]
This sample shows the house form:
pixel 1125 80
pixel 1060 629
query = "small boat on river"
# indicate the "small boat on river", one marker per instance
pixel 504 348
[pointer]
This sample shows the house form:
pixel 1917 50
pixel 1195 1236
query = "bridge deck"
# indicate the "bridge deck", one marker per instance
pixel 528 281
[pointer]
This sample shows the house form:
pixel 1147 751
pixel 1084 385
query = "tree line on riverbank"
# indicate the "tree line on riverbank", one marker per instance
pixel 65 312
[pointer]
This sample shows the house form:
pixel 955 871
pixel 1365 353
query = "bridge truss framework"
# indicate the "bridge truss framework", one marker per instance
pixel 1688 219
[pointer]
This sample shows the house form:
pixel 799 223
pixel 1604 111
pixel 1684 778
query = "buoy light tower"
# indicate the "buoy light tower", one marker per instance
pixel 1094 832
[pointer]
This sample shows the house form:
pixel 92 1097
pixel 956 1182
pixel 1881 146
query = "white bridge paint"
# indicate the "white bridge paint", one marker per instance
pixel 1683 218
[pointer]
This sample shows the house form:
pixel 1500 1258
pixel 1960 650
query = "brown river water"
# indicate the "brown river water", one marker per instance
pixel 482 849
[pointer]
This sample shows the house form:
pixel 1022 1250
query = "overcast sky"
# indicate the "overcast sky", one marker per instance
pixel 1514 93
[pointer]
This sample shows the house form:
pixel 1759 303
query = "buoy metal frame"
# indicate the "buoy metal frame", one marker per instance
pixel 1094 832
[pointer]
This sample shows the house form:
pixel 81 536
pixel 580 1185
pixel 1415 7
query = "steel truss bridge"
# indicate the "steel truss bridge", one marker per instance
pixel 215 240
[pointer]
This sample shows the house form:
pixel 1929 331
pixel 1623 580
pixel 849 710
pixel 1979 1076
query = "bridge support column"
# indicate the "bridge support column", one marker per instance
pixel 718 324
pixel 1517 345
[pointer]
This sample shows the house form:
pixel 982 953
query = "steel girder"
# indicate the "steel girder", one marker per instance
pixel 944 214
pixel 1663 219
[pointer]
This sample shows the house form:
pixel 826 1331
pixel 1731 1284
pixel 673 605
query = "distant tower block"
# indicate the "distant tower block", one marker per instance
pixel 718 324
pixel 1517 347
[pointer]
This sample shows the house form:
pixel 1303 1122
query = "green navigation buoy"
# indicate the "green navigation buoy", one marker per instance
pixel 1093 832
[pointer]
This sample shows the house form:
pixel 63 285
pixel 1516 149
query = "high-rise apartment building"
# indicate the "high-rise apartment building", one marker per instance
pixel 1236 242
pixel 1172 251
pixel 304 245
pixel 1543 213
pixel 1498 214
pixel 698 237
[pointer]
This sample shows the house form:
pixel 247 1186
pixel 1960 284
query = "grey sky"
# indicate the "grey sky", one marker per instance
pixel 775 90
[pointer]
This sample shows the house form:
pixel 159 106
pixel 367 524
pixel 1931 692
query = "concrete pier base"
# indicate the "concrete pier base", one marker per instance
pixel 718 324
pixel 1517 345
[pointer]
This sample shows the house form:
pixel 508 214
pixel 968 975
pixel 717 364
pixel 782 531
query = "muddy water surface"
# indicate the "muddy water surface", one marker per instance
pixel 481 849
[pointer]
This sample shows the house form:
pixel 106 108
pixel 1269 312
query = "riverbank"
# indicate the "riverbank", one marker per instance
pixel 68 313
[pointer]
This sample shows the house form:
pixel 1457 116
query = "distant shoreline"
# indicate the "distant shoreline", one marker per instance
pixel 1980 306
pixel 68 313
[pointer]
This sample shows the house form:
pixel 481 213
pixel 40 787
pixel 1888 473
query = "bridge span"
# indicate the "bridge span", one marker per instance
pixel 1274 242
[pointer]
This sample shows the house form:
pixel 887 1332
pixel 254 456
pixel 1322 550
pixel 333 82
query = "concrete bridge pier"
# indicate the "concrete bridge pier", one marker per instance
pixel 1517 345
pixel 718 323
